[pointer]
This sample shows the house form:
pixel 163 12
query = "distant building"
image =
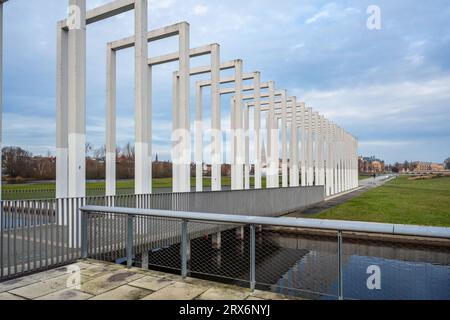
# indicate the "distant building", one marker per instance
pixel 420 166
pixel 371 165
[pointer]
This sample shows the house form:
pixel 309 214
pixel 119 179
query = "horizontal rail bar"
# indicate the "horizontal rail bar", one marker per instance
pixel 369 227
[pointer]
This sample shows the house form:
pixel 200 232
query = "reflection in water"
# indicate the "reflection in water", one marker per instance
pixel 306 266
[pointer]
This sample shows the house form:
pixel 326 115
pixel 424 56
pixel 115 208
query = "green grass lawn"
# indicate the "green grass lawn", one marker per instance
pixel 402 201
pixel 364 177
pixel 47 190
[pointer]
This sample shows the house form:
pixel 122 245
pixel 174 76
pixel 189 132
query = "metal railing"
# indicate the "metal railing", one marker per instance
pixel 183 231
pixel 36 235
pixel 40 194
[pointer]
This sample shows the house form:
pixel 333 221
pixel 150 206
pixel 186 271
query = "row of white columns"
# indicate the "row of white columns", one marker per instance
pixel 327 154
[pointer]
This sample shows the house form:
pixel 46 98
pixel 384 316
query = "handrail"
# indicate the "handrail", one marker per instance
pixel 368 227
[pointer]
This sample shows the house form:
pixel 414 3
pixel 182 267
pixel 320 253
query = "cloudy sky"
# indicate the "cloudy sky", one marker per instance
pixel 389 87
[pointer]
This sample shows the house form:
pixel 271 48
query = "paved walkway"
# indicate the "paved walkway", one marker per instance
pixel 364 186
pixel 106 281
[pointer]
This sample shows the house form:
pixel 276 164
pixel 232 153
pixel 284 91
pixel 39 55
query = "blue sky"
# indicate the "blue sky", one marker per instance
pixel 388 87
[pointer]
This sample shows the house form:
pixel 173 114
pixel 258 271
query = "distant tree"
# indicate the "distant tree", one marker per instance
pixel 100 153
pixel 406 165
pixel 16 162
pixel 447 164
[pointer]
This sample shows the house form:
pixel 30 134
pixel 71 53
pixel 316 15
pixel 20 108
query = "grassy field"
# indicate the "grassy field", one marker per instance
pixel 47 190
pixel 403 201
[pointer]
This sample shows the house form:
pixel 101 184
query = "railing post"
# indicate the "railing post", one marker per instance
pixel 252 257
pixel 130 219
pixel 340 268
pixel 184 248
pixel 84 233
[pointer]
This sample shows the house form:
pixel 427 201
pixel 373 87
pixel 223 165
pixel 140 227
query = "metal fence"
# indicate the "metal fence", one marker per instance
pixel 37 194
pixel 235 249
pixel 39 234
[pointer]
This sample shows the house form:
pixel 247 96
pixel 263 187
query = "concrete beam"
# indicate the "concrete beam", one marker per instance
pixel 104 12
pixel 153 35
pixel 175 56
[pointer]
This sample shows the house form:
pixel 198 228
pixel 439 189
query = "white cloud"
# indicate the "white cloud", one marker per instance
pixel 416 56
pixel 320 15
pixel 297 46
pixel 160 4
pixel 200 9
pixel 400 100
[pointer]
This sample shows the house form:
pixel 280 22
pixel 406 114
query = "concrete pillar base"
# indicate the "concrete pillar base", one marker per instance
pixel 240 232
pixel 217 241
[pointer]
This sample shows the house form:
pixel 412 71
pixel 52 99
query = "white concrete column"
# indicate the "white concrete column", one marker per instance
pixel 303 144
pixel 62 133
pixel 347 163
pixel 142 172
pixel 233 142
pixel 335 160
pixel 321 151
pixel 239 146
pixel 284 161
pixel 184 114
pixel 216 145
pixel 339 143
pixel 340 189
pixel 329 168
pixel 356 169
pixel 150 127
pixel 343 160
pixel 272 170
pixel 276 153
pixel 198 141
pixel 110 122
pixel 175 135
pixel 257 128
pixel 217 240
pixel 247 148
pixel 293 159
pixel 316 133
pixel 310 152
pixel 77 98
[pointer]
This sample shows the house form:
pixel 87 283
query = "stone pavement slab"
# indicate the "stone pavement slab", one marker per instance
pixel 66 294
pixel 177 291
pixel 125 292
pixel 224 294
pixel 107 281
pixel 151 283
pixel 8 296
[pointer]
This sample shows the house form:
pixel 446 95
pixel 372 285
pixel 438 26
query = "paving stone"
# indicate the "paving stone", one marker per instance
pixel 254 298
pixel 16 283
pixel 8 296
pixel 109 281
pixel 151 283
pixel 125 292
pixel 46 287
pixel 54 273
pixel 97 271
pixel 224 294
pixel 66 294
pixel 266 295
pixel 177 291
